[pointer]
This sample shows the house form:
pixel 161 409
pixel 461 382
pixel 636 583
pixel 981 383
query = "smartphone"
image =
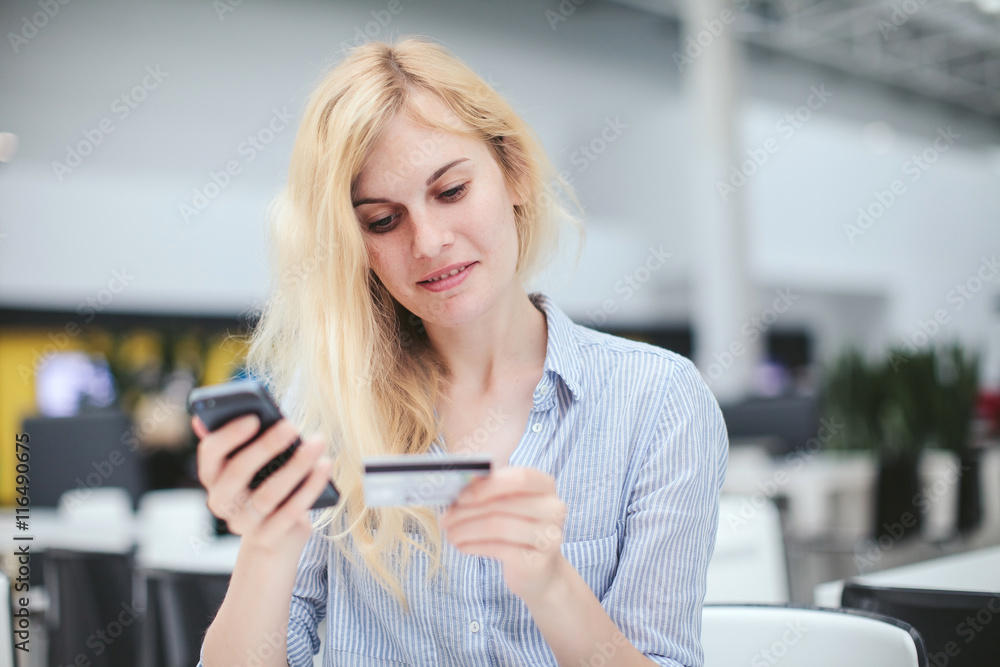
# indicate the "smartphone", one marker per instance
pixel 217 405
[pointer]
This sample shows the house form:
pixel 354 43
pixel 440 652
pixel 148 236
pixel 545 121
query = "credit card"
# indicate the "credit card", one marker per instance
pixel 421 479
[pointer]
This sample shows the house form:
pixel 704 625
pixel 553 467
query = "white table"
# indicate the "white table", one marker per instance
pixel 49 530
pixel 970 572
pixel 190 550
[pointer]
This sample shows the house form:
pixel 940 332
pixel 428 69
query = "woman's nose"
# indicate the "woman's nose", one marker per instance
pixel 430 234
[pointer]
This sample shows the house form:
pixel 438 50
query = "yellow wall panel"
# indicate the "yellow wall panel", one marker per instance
pixel 22 353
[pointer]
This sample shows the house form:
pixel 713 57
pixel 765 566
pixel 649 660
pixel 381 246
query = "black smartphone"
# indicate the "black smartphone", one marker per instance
pixel 217 405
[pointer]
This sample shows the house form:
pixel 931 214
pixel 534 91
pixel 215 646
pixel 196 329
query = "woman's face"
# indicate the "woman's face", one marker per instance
pixel 429 202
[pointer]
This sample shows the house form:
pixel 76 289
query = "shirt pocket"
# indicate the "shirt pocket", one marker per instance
pixel 339 658
pixel 595 560
pixel 376 631
pixel 396 646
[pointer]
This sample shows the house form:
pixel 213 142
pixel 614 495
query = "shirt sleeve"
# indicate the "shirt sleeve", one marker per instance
pixel 308 607
pixel 657 594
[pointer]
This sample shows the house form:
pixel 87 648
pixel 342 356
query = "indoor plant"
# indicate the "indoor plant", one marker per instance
pixel 956 390
pixel 884 407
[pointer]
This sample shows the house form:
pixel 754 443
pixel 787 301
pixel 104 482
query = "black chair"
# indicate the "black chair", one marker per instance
pixel 788 421
pixel 91 611
pixel 81 453
pixel 179 608
pixel 960 629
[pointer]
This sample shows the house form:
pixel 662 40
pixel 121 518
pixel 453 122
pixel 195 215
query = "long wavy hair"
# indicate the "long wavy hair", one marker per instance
pixel 354 364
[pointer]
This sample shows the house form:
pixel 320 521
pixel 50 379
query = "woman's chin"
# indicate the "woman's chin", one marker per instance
pixel 453 312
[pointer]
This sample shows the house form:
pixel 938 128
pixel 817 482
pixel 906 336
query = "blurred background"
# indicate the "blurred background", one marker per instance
pixel 801 196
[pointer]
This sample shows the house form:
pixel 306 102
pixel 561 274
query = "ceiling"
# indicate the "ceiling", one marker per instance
pixel 944 49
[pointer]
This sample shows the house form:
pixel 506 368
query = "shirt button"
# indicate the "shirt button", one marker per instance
pixel 543 389
pixel 536 427
pixel 474 626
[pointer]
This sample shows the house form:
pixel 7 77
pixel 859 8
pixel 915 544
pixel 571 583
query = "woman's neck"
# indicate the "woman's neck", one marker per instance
pixel 506 342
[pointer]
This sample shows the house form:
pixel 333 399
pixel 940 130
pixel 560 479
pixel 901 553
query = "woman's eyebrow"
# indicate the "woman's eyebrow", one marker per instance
pixel 436 175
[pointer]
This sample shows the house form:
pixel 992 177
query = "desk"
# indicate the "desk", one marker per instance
pixel 50 530
pixel 970 572
pixel 953 602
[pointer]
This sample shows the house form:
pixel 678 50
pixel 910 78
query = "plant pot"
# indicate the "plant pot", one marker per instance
pixel 897 517
pixel 970 491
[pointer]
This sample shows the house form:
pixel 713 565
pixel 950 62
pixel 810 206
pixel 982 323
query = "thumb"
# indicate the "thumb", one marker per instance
pixel 199 427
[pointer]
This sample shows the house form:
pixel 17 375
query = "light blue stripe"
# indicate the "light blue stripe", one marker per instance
pixel 638 447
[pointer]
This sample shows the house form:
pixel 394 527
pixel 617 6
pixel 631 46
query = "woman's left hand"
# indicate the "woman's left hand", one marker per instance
pixel 514 516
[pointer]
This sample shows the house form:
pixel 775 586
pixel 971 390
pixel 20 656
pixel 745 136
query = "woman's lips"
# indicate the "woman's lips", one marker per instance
pixel 450 281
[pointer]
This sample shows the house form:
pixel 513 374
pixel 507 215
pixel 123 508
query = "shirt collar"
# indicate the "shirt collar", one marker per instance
pixel 562 353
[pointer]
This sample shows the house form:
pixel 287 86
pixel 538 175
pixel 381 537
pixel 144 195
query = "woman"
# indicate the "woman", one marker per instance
pixel 418 205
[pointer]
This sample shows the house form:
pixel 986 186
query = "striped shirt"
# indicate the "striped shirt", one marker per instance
pixel 638 448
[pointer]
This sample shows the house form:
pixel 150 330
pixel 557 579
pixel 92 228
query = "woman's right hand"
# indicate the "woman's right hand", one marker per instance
pixel 267 522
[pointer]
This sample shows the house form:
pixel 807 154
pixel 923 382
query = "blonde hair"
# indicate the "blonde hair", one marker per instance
pixel 361 369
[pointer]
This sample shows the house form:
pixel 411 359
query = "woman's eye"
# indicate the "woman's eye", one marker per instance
pixel 381 225
pixel 454 193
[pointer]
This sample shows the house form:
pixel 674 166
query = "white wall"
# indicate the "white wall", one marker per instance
pixel 805 200
pixel 119 208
